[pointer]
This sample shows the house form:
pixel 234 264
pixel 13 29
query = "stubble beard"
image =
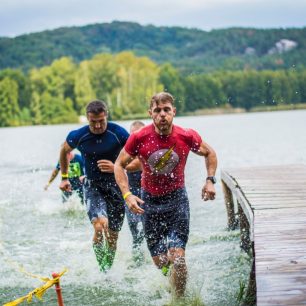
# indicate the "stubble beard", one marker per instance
pixel 164 128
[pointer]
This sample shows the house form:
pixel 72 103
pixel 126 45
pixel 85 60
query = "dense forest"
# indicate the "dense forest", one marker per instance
pixel 188 50
pixel 49 77
pixel 59 92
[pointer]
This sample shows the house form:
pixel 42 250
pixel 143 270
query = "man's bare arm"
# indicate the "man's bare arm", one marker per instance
pixel 210 158
pixel 64 160
pixel 208 190
pixel 64 163
pixel 121 164
pixel 134 165
pixel 123 160
pixel 52 178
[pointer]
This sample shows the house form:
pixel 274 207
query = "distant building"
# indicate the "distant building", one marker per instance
pixel 282 46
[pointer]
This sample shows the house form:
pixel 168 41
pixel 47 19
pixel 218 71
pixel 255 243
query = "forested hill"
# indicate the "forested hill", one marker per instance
pixel 190 50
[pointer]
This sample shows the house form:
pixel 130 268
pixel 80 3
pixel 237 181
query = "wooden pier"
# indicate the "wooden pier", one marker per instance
pixel 271 203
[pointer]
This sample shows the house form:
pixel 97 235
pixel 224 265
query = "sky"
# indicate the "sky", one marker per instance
pixel 19 17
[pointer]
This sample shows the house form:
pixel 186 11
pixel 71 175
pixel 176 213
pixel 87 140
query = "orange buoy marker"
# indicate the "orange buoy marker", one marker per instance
pixel 58 290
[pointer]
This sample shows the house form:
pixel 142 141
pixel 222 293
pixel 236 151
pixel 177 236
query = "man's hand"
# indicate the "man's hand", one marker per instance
pixel 65 186
pixel 132 202
pixel 208 191
pixel 105 165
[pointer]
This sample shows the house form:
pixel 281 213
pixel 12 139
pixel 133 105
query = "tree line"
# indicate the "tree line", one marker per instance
pixel 58 93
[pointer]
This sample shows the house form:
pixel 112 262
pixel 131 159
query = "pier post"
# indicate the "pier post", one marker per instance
pixel 230 208
pixel 244 230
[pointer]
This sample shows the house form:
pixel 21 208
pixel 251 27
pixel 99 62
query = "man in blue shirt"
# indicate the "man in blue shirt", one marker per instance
pixel 99 143
pixel 75 176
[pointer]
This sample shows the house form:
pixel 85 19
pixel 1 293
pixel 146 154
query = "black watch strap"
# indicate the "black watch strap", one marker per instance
pixel 212 179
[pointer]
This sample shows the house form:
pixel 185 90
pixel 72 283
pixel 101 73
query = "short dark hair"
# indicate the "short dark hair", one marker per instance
pixel 161 97
pixel 96 107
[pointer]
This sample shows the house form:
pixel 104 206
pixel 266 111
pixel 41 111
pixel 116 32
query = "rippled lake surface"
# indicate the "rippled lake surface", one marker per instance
pixel 40 234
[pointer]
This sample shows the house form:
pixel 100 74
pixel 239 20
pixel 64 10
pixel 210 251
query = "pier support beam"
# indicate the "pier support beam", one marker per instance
pixel 230 208
pixel 244 230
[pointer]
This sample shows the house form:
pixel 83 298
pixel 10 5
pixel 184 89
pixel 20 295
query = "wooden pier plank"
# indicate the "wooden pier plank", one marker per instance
pixel 274 201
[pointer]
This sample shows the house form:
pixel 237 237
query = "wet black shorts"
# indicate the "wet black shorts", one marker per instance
pixel 103 198
pixel 166 221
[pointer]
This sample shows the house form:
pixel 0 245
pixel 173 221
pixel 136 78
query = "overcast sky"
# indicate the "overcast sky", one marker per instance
pixel 25 16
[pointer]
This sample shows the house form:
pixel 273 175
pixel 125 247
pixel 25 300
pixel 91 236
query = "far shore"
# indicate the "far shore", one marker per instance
pixel 202 112
pixel 231 110
pixel 226 110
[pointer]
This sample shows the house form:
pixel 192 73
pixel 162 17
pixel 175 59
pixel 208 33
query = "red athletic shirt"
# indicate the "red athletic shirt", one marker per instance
pixel 163 157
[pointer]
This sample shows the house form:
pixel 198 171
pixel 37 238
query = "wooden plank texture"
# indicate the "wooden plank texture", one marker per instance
pixel 274 201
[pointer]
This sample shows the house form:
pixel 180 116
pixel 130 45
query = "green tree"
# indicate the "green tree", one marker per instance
pixel 139 80
pixel 53 92
pixel 103 75
pixel 9 109
pixel 55 110
pixel 252 89
pixel 23 82
pixel 83 90
pixel 203 91
pixel 173 83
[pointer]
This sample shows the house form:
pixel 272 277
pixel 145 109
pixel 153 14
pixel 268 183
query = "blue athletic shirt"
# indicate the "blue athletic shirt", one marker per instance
pixel 94 147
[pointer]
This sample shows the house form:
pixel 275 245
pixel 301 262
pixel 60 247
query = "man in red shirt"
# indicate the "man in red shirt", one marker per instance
pixel 163 148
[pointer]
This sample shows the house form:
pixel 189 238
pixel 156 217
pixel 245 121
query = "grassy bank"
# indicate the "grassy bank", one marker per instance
pixel 231 110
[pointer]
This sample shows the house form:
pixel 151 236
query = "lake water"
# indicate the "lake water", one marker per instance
pixel 42 235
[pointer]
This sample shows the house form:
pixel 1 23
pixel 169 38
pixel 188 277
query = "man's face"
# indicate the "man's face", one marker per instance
pixel 97 123
pixel 162 115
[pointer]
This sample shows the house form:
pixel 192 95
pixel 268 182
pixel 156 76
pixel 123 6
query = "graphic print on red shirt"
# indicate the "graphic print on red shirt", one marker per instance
pixel 163 157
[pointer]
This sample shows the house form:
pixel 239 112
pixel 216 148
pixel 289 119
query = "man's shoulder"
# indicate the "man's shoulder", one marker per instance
pixel 145 131
pixel 114 127
pixel 188 135
pixel 184 131
pixel 81 131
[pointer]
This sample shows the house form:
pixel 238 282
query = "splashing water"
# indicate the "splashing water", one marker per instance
pixel 43 235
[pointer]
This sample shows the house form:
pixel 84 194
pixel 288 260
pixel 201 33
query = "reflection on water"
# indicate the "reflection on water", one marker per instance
pixel 41 234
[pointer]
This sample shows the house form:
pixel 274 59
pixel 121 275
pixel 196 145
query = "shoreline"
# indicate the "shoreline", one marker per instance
pixel 199 112
pixel 230 110
pixel 226 110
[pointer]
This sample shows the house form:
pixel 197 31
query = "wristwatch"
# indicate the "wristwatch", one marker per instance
pixel 212 179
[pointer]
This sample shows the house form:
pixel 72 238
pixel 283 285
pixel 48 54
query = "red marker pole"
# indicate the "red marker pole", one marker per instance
pixel 58 290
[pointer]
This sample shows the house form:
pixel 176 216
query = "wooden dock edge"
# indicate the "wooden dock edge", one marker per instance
pixel 232 190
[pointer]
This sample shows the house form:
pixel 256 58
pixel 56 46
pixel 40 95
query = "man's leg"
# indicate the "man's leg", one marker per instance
pixel 99 241
pixel 104 243
pixel 97 213
pixel 115 213
pixel 175 258
pixel 177 238
pixel 136 229
pixel 162 262
pixel 110 248
pixel 179 270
